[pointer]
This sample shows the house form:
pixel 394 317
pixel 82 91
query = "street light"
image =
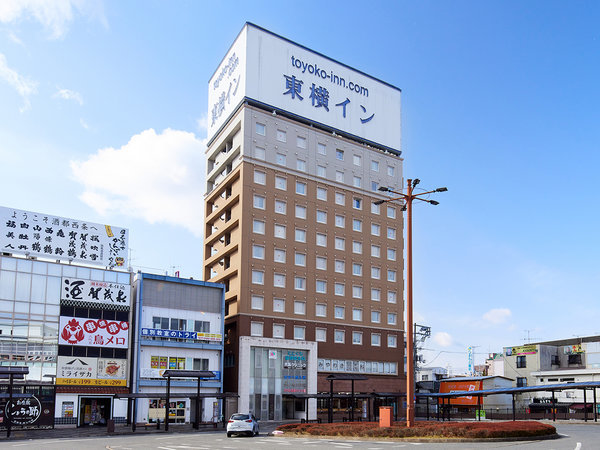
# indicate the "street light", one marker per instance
pixel 407 200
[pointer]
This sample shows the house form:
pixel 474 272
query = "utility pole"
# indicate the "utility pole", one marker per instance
pixel 407 199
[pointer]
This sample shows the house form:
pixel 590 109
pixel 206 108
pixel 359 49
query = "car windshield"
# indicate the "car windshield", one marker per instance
pixel 240 417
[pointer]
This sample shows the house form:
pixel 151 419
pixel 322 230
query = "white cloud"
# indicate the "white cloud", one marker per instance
pixel 443 339
pixel 13 37
pixel 497 316
pixel 84 124
pixel 22 85
pixel 68 94
pixel 202 123
pixel 156 177
pixel 54 15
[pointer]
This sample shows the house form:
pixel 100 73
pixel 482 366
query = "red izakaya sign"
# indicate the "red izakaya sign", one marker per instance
pixel 93 332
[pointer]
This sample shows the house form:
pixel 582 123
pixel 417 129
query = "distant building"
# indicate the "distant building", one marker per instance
pixel 179 326
pixel 431 374
pixel 494 365
pixel 553 362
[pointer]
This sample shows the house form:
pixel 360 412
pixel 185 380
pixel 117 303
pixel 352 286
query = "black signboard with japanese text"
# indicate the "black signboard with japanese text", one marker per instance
pixel 34 411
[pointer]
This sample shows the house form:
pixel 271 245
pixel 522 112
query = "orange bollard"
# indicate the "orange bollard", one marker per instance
pixel 385 416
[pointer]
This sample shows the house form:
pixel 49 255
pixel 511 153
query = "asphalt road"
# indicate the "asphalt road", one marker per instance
pixel 573 437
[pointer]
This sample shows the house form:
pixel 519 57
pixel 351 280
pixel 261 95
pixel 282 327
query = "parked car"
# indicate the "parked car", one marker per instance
pixel 242 423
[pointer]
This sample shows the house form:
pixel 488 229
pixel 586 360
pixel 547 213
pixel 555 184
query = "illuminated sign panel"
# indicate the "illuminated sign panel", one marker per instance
pixel 278 73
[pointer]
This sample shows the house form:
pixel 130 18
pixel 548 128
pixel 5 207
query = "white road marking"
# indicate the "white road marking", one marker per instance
pixel 578 446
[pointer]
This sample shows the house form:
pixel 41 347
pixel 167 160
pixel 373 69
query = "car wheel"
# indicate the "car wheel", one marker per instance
pixel 228 434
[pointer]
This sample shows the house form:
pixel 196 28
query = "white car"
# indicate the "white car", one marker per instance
pixel 242 423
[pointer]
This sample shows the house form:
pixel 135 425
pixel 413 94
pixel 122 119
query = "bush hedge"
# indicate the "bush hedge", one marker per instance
pixel 468 430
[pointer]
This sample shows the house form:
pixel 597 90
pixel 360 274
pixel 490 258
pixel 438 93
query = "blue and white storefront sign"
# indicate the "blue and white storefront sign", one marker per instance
pixel 279 73
pixel 177 334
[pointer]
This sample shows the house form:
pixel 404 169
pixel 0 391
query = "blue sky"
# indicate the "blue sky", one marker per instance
pixel 103 110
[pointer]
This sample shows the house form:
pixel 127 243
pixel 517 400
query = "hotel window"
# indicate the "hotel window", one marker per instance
pixel 300 188
pixel 391 233
pixel 521 381
pixel 376 294
pixel 280 159
pixel 391 254
pixel 258 251
pixel 391 296
pixel 321 263
pixel 279 280
pixel 278 305
pixel 339 336
pixel 339 154
pixel 321 286
pixel 321 216
pixel 375 229
pixel 321 240
pixel 279 231
pixel 391 318
pixel 278 331
pixel 375 209
pixel 281 183
pixel 340 198
pixel 321 334
pixel 392 341
pixel 391 212
pixel 357 203
pixel 321 193
pixel 321 310
pixel 340 221
pixel 259 201
pixel 375 316
pixel 258 226
pixel 322 171
pixel 301 142
pixel 301 212
pixel 260 177
pixel 357 338
pixel 281 136
pixel 321 149
pixel 299 332
pixel 339 288
pixel 357 247
pixel 357 224
pixel 391 275
pixel 357 314
pixel 339 176
pixel 260 153
pixel 301 165
pixel 300 283
pixel 340 266
pixel 357 291
pixel 300 235
pixel 357 181
pixel 258 277
pixel 340 243
pixel 375 273
pixel 339 312
pixel 375 251
pixel 299 307
pixel 356 160
pixel 374 186
pixel 279 255
pixel 280 207
pixel 256 328
pixel 521 362
pixel 390 171
pixel 258 302
pixel 260 129
pixel 375 166
pixel 357 269
pixel 300 259
pixel 375 339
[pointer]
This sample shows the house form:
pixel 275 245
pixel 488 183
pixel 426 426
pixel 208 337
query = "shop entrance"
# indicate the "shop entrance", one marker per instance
pixel 94 411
